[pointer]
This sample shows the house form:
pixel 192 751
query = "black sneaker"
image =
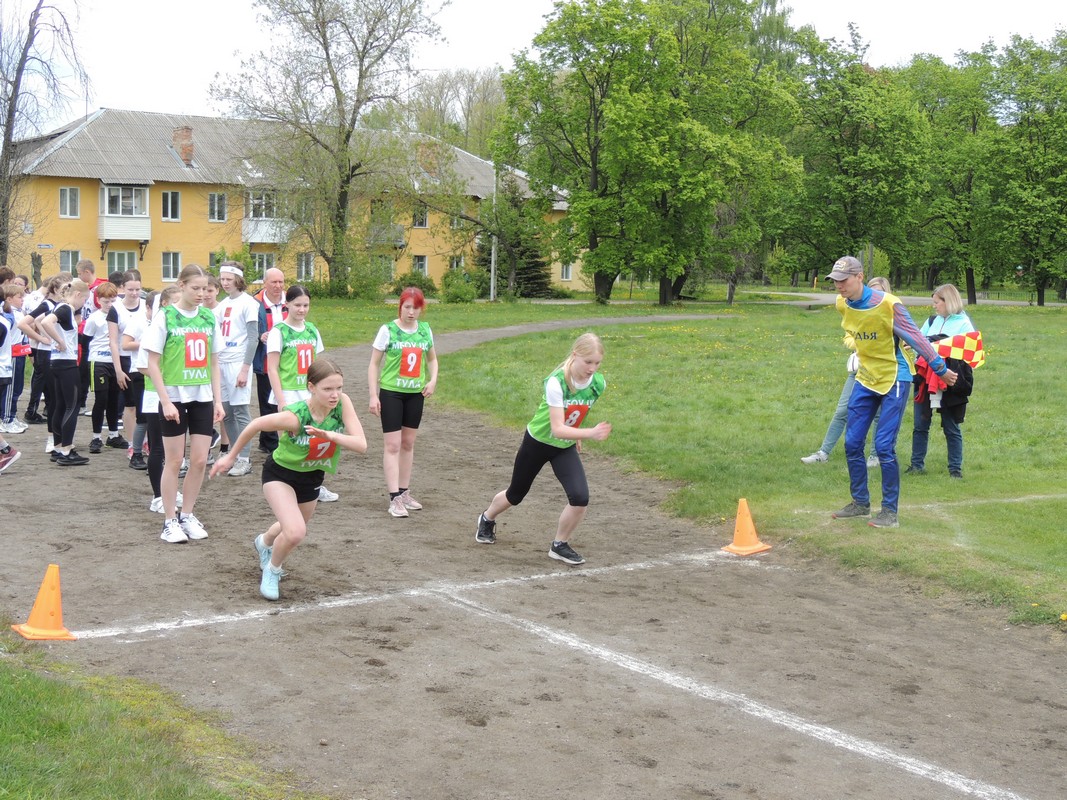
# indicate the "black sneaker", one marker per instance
pixel 54 456
pixel 117 442
pixel 96 446
pixel 72 459
pixel 563 552
pixel 486 533
pixel 34 418
pixel 216 437
pixel 137 462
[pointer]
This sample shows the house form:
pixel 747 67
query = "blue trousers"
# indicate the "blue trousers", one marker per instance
pixel 920 437
pixel 863 407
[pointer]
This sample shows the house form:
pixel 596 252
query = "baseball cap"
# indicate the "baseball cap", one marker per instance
pixel 844 267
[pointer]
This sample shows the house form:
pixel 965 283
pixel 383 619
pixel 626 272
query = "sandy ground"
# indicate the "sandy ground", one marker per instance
pixel 405 660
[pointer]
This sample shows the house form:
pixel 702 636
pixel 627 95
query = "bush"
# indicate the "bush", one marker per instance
pixel 327 288
pixel 416 279
pixel 458 286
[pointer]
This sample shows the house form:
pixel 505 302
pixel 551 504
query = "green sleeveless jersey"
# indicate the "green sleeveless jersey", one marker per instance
pixel 405 359
pixel 301 452
pixel 575 407
pixel 297 354
pixel 186 357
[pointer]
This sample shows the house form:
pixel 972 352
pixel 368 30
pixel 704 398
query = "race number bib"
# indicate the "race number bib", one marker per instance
pixel 224 326
pixel 411 362
pixel 574 415
pixel 320 449
pixel 305 354
pixel 195 350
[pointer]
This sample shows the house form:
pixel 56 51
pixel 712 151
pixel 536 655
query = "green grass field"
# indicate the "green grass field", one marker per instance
pixel 722 408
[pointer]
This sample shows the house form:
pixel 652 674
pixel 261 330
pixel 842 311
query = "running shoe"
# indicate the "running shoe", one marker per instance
pixel 815 458
pixel 396 507
pixel 117 442
pixel 262 551
pixel 137 461
pixel 883 519
pixel 852 510
pixel 410 503
pixel 243 466
pixel 486 533
pixel 184 468
pixel 268 584
pixel 326 496
pixel 216 437
pixel 96 446
pixel 192 527
pixel 173 533
pixel 72 459
pixel 10 457
pixel 156 506
pixel 562 551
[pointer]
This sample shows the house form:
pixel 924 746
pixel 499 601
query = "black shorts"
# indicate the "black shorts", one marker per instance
pixel 400 409
pixel 134 391
pixel 305 484
pixel 103 376
pixel 193 418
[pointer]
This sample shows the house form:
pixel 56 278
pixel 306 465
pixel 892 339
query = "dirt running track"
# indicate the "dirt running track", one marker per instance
pixel 406 661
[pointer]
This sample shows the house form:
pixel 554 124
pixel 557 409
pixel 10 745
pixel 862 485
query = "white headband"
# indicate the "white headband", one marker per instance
pixel 231 270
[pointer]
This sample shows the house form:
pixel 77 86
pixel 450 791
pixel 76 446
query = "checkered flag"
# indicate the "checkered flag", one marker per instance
pixel 964 346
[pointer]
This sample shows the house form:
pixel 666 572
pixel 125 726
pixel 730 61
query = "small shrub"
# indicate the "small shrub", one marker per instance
pixel 458 286
pixel 416 279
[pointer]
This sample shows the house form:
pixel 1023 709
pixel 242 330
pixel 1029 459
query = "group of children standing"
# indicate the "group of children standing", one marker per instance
pixel 184 368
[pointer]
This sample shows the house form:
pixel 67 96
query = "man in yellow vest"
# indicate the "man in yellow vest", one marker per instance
pixel 878 322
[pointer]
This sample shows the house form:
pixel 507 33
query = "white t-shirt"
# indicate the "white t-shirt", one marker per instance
pixel 126 316
pixel 233 315
pixel 156 337
pixel 96 328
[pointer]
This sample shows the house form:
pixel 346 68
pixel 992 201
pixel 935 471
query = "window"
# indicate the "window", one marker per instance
pixel 420 218
pixel 172 207
pixel 455 262
pixel 456 223
pixel 565 272
pixel 384 266
pixel 260 205
pixel 305 266
pixel 69 201
pixel 172 266
pixel 121 260
pixel 262 262
pixel 124 201
pixel 216 207
pixel 213 259
pixel 418 264
pixel 68 260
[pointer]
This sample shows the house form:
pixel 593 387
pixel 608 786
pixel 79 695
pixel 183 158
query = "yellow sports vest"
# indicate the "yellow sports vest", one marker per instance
pixel 872 331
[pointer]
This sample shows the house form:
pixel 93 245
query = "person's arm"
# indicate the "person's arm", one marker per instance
pixel 904 327
pixel 431 363
pixel 282 421
pixel 273 360
pixel 48 325
pixel 216 389
pixel 353 437
pixel 558 421
pixel 155 374
pixel 374 371
pixel 252 329
pixel 116 351
pixel 29 326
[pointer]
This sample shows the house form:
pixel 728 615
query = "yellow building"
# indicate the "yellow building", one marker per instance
pixel 154 192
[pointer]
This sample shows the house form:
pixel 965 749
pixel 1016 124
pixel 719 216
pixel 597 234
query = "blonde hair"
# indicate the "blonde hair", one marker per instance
pixel 192 271
pixel 74 287
pixel 880 283
pixel 951 295
pixel 587 344
pixel 166 296
pixel 53 285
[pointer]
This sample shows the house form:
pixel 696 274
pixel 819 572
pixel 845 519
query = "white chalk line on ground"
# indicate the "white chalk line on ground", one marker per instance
pixel 972 501
pixel 742 703
pixel 162 627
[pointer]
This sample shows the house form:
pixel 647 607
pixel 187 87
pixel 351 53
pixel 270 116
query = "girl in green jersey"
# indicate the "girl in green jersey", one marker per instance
pixel 310 431
pixel 554 437
pixel 401 375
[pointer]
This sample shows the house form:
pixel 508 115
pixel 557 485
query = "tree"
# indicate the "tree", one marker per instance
pixel 331 63
pixel 33 59
pixel 460 107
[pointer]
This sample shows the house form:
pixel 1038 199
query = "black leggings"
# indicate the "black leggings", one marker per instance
pixel 155 452
pixel 41 385
pixel 66 383
pixel 566 463
pixel 106 396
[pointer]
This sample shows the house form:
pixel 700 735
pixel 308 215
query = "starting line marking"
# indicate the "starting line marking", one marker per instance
pixel 352 599
pixel 739 702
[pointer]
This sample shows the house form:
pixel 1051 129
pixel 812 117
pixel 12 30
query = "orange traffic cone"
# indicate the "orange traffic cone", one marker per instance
pixel 745 543
pixel 46 618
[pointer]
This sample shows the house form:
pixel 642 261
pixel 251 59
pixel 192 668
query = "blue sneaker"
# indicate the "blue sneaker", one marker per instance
pixel 268 585
pixel 263 550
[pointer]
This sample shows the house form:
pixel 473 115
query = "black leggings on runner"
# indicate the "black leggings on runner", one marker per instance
pixel 66 382
pixel 155 452
pixel 565 461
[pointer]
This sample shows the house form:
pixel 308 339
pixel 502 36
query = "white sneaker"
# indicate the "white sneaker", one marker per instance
pixel 410 503
pixel 326 496
pixel 815 458
pixel 172 532
pixel 243 466
pixel 396 507
pixel 872 462
pixel 49 444
pixel 156 505
pixel 5 428
pixel 17 425
pixel 192 527
pixel 86 412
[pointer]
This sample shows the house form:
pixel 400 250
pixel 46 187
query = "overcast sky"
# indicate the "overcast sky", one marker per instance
pixel 147 56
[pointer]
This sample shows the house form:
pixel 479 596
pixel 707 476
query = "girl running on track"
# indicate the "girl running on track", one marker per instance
pixel 408 377
pixel 292 346
pixel 311 431
pixel 554 437
pixel 183 366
